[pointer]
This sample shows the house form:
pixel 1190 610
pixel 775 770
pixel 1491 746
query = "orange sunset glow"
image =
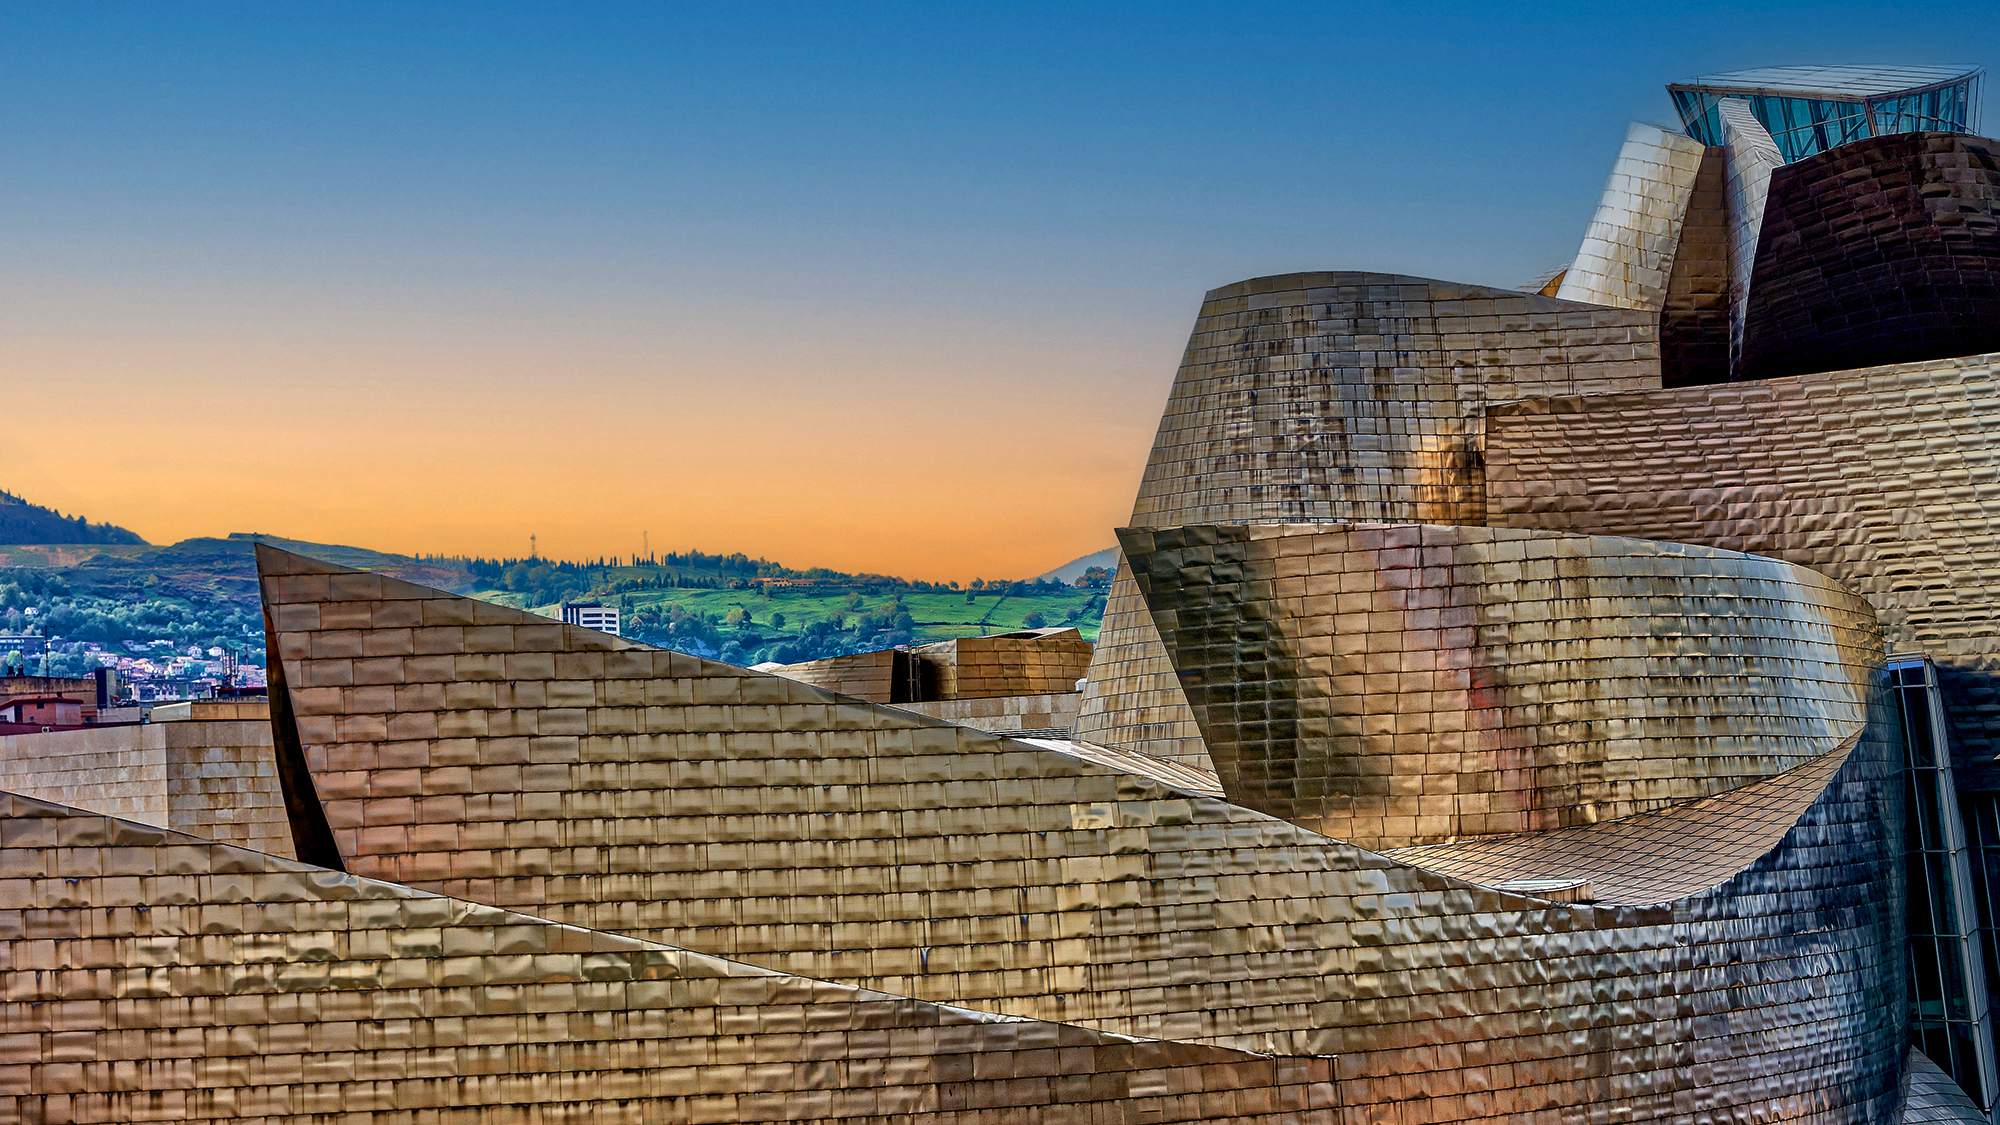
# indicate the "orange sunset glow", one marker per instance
pixel 897 293
pixel 917 453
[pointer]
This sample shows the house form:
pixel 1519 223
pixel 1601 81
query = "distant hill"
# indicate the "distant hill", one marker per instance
pixel 24 523
pixel 101 592
pixel 1074 568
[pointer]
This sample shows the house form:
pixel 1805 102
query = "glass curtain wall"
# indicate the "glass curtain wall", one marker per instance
pixel 1950 1018
pixel 1803 126
pixel 1934 111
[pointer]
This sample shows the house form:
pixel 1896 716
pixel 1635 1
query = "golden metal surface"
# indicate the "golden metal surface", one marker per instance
pixel 1648 858
pixel 1643 800
pixel 1883 478
pixel 1627 256
pixel 494 756
pixel 1337 396
pixel 1397 685
pixel 154 976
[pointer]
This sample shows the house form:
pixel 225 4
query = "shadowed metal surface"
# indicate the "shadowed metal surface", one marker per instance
pixel 1880 251
pixel 1931 1096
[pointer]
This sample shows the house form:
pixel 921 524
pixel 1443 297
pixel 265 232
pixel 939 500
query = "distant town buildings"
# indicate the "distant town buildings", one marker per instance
pixel 27 644
pixel 137 670
pixel 45 711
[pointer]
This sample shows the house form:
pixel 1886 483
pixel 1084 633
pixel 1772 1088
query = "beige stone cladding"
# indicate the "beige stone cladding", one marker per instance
pixel 1031 662
pixel 1405 684
pixel 83 689
pixel 1348 396
pixel 1035 662
pixel 864 675
pixel 210 709
pixel 222 777
pixel 215 778
pixel 116 770
pixel 1885 478
pixel 501 758
pixel 1627 254
pixel 1043 714
pixel 153 976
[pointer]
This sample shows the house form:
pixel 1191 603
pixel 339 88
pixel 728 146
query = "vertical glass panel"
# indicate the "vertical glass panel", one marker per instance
pixel 1804 126
pixel 1942 111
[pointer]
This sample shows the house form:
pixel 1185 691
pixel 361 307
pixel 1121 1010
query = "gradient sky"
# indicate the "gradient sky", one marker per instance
pixel 890 288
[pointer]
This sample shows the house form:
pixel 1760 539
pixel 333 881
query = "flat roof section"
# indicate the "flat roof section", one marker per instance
pixel 1831 83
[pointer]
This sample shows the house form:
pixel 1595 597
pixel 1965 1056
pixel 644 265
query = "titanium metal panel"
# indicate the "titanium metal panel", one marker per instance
pixel 1750 158
pixel 1695 320
pixel 1402 685
pixel 1349 396
pixel 483 752
pixel 153 976
pixel 1627 254
pixel 1881 251
pixel 1882 478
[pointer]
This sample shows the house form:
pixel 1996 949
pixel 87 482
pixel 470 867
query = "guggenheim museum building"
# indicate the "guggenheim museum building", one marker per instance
pixel 1569 704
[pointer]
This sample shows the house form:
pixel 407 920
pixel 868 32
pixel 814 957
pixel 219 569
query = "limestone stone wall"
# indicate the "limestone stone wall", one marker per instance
pixel 214 778
pixel 1055 711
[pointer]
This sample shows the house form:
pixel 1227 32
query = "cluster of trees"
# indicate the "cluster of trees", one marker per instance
pixel 546 581
pixel 542 581
pixel 112 623
pixel 884 626
pixel 737 564
pixel 28 588
pixel 670 580
pixel 739 638
pixel 693 631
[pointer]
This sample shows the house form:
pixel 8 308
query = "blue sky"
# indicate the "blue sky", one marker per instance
pixel 383 231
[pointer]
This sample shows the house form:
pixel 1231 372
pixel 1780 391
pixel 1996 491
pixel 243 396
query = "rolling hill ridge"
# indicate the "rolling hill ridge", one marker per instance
pixel 24 523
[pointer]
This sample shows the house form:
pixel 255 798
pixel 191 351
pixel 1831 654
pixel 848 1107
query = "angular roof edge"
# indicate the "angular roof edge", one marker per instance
pixel 1834 83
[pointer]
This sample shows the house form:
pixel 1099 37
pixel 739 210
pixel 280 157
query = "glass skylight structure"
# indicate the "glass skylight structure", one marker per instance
pixel 1810 109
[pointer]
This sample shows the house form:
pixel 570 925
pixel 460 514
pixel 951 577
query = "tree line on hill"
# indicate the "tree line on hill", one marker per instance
pixel 546 581
pixel 22 522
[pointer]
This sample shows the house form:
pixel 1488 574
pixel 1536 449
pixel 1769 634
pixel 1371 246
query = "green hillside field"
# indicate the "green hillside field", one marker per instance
pixel 201 594
pixel 790 623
